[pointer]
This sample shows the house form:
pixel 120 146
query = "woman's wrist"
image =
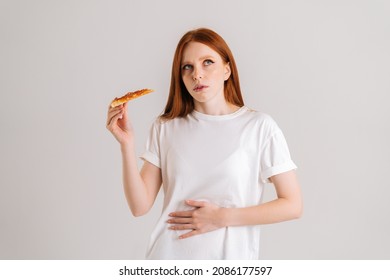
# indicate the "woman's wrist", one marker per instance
pixel 127 147
pixel 226 216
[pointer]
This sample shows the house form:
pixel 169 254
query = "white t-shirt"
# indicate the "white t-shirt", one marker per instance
pixel 223 159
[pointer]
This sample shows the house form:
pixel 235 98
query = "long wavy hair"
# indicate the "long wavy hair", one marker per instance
pixel 180 103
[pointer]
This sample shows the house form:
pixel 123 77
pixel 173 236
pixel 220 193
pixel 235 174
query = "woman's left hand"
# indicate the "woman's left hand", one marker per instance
pixel 204 218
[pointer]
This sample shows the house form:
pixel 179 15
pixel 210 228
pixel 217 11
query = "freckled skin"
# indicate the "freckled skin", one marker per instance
pixel 201 65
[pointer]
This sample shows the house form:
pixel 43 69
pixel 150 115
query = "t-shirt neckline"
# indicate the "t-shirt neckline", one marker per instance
pixel 230 116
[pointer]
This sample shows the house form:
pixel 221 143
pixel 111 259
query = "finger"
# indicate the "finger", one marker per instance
pixel 109 106
pixel 196 203
pixel 124 109
pixel 113 118
pixel 112 113
pixel 115 109
pixel 182 227
pixel 125 115
pixel 180 221
pixel 181 214
pixel 189 234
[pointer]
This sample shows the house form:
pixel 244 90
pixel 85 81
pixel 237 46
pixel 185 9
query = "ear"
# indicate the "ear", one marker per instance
pixel 228 71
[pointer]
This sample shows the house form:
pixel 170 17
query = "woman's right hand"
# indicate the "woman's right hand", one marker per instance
pixel 119 125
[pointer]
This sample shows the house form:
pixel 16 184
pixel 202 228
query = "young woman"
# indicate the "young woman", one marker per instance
pixel 212 155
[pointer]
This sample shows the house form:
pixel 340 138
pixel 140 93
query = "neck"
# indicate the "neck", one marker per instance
pixel 222 108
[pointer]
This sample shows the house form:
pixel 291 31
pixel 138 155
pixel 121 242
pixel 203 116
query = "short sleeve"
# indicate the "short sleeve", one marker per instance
pixel 275 157
pixel 152 151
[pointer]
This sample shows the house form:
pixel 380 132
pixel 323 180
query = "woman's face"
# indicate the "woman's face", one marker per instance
pixel 204 72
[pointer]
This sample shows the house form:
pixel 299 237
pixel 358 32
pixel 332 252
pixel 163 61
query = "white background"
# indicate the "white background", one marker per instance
pixel 319 68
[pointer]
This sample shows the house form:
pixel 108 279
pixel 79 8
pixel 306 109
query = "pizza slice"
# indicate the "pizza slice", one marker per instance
pixel 130 96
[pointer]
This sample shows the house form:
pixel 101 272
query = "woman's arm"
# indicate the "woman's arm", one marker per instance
pixel 286 207
pixel 207 216
pixel 141 188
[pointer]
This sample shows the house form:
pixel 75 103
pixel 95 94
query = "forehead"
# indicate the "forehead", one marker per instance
pixel 196 51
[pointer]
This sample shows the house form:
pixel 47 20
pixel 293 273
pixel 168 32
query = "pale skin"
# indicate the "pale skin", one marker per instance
pixel 201 66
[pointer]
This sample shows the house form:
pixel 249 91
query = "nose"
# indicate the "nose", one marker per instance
pixel 196 74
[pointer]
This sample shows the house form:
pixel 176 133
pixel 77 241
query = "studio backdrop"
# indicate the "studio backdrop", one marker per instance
pixel 319 68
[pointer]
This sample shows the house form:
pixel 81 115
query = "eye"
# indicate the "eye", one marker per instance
pixel 208 62
pixel 186 67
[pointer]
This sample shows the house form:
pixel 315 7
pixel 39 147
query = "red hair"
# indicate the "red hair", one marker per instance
pixel 180 103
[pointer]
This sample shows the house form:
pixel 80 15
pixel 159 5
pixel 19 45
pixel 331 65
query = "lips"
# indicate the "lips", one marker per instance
pixel 200 87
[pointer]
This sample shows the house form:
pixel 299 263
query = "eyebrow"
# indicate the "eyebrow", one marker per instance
pixel 201 58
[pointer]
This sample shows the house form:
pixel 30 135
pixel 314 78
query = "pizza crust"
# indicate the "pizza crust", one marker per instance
pixel 130 96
